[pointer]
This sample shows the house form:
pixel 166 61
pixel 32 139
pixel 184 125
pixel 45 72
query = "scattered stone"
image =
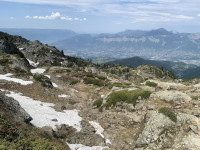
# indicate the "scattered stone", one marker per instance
pixel 171 96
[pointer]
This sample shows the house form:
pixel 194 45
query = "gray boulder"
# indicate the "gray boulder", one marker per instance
pixel 15 108
pixel 156 124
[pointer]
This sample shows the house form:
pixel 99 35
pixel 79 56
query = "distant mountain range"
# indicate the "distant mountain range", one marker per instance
pixel 180 69
pixel 157 44
pixel 43 35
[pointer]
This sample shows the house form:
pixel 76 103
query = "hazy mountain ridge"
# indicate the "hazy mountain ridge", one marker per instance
pixel 180 69
pixel 157 44
pixel 43 35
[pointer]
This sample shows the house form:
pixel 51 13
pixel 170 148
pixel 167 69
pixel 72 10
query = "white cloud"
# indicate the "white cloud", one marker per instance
pixel 27 17
pixel 11 18
pixel 53 16
pixel 183 17
pixel 56 15
pixel 198 15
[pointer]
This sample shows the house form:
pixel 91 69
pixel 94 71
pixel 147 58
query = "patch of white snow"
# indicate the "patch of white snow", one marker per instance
pixel 54 85
pixel 98 128
pixel 43 113
pixel 48 76
pixel 33 63
pixel 83 147
pixel 38 70
pixel 16 80
pixel 108 142
pixel 63 96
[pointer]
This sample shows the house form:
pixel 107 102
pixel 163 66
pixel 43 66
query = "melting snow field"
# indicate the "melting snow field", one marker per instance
pixel 38 70
pixel 98 128
pixel 43 113
pixel 83 147
pixel 33 63
pixel 16 80
pixel 54 85
pixel 64 96
pixel 48 76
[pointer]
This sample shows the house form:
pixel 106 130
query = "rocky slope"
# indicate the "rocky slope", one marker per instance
pixel 96 107
pixel 180 69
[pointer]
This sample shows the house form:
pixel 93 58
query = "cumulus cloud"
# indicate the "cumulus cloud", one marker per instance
pixel 28 17
pixel 56 15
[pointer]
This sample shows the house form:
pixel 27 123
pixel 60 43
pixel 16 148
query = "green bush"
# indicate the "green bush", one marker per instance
pixel 4 62
pixel 151 84
pixel 45 81
pixel 90 80
pixel 126 96
pixel 73 82
pixel 38 77
pixel 127 85
pixel 98 102
pixel 101 77
pixel 195 97
pixel 169 113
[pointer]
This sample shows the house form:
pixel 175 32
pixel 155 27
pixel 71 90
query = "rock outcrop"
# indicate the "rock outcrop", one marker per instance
pixel 18 112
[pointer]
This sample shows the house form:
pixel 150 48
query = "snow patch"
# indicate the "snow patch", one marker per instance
pixel 98 128
pixel 38 70
pixel 21 48
pixel 83 147
pixel 43 113
pixel 108 142
pixel 33 63
pixel 58 76
pixel 54 85
pixel 48 76
pixel 102 96
pixel 16 80
pixel 64 96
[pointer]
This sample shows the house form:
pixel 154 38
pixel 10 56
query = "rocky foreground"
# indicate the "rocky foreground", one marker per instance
pixel 73 104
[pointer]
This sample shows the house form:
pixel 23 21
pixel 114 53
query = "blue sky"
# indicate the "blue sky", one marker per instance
pixel 95 16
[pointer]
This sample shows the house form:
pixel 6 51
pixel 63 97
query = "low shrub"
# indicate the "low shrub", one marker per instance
pixel 43 80
pixel 151 84
pixel 126 96
pixel 101 77
pixel 4 62
pixel 169 113
pixel 195 97
pixel 127 85
pixel 38 77
pixel 73 82
pixel 98 102
pixel 90 80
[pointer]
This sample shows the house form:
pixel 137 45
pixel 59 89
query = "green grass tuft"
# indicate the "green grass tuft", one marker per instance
pixel 169 113
pixel 98 102
pixel 90 80
pixel 151 84
pixel 126 96
pixel 73 82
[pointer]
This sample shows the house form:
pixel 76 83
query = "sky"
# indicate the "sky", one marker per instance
pixel 101 16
